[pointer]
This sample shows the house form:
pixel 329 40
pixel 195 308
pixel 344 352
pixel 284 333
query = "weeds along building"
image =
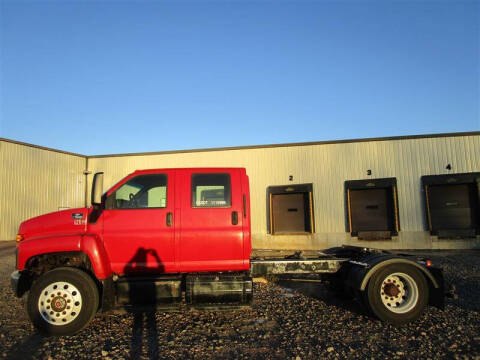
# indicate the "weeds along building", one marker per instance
pixel 412 192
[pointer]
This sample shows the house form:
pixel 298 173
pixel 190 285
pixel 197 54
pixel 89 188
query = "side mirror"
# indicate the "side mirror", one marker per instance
pixel 97 188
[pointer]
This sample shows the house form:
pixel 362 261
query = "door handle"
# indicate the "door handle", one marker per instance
pixel 234 218
pixel 169 219
pixel 244 206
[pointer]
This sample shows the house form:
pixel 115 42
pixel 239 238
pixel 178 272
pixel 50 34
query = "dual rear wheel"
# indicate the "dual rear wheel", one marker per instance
pixel 397 294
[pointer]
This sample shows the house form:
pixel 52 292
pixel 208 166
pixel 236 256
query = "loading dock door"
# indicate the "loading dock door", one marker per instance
pixel 453 207
pixel 290 209
pixel 371 210
pixel 289 212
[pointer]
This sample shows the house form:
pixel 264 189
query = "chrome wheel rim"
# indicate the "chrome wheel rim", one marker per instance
pixel 60 303
pixel 399 292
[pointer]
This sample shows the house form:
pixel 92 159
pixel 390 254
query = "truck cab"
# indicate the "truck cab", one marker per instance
pixel 175 221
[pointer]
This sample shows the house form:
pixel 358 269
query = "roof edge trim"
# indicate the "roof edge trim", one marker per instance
pixel 249 147
pixel 326 142
pixel 41 147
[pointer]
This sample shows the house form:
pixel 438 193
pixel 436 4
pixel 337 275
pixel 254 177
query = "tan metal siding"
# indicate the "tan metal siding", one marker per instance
pixel 35 181
pixel 327 166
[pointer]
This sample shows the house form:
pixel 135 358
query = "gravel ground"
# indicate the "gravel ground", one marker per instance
pixel 288 320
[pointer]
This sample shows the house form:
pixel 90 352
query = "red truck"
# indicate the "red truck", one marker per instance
pixel 176 238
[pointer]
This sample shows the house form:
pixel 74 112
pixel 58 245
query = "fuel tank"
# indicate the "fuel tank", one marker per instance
pixel 218 290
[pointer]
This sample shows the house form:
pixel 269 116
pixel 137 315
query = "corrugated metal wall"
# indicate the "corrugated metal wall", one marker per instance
pixel 34 181
pixel 327 166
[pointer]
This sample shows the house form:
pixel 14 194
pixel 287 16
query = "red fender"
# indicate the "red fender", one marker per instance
pixel 88 244
pixel 93 247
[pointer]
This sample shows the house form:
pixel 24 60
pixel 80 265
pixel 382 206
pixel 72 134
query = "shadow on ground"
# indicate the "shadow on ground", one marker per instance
pixel 317 290
pixel 27 349
pixel 144 322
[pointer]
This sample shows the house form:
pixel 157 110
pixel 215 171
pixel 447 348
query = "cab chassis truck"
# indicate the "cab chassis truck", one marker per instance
pixel 180 239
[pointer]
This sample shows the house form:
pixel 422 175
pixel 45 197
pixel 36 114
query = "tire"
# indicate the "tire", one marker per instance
pixel 62 301
pixel 397 294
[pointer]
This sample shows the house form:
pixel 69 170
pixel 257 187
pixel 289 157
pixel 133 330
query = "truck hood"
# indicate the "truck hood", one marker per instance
pixel 64 222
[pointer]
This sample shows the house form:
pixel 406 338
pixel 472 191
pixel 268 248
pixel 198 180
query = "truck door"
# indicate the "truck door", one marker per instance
pixel 138 224
pixel 211 220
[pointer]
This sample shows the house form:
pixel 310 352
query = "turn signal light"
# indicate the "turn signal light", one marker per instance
pixel 19 238
pixel 428 262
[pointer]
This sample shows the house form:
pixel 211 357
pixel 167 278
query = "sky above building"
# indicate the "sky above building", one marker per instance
pixel 114 77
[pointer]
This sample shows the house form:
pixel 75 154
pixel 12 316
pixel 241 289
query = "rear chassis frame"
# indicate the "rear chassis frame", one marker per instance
pixel 349 267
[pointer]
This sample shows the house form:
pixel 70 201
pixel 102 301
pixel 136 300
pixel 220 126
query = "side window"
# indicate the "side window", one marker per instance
pixel 140 192
pixel 211 190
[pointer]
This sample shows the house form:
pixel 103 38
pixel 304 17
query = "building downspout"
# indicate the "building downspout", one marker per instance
pixel 86 172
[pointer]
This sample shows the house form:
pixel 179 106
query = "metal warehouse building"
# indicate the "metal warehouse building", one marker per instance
pixel 415 192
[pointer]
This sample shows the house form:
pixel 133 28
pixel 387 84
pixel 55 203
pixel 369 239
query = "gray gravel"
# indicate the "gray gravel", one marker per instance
pixel 288 320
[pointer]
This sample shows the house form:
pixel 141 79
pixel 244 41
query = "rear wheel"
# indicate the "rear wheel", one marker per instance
pixel 397 293
pixel 62 301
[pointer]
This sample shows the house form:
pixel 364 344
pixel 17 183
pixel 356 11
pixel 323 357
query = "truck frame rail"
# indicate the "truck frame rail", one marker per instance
pixel 274 262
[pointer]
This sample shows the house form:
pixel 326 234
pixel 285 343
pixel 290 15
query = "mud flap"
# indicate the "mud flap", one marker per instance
pixel 437 295
pixel 20 283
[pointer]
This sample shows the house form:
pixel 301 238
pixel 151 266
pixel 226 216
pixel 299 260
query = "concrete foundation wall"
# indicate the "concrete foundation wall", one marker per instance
pixel 404 240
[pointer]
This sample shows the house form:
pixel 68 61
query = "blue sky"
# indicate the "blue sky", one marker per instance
pixel 114 77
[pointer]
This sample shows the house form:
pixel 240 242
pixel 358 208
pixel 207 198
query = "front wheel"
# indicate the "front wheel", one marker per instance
pixel 397 293
pixel 62 301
